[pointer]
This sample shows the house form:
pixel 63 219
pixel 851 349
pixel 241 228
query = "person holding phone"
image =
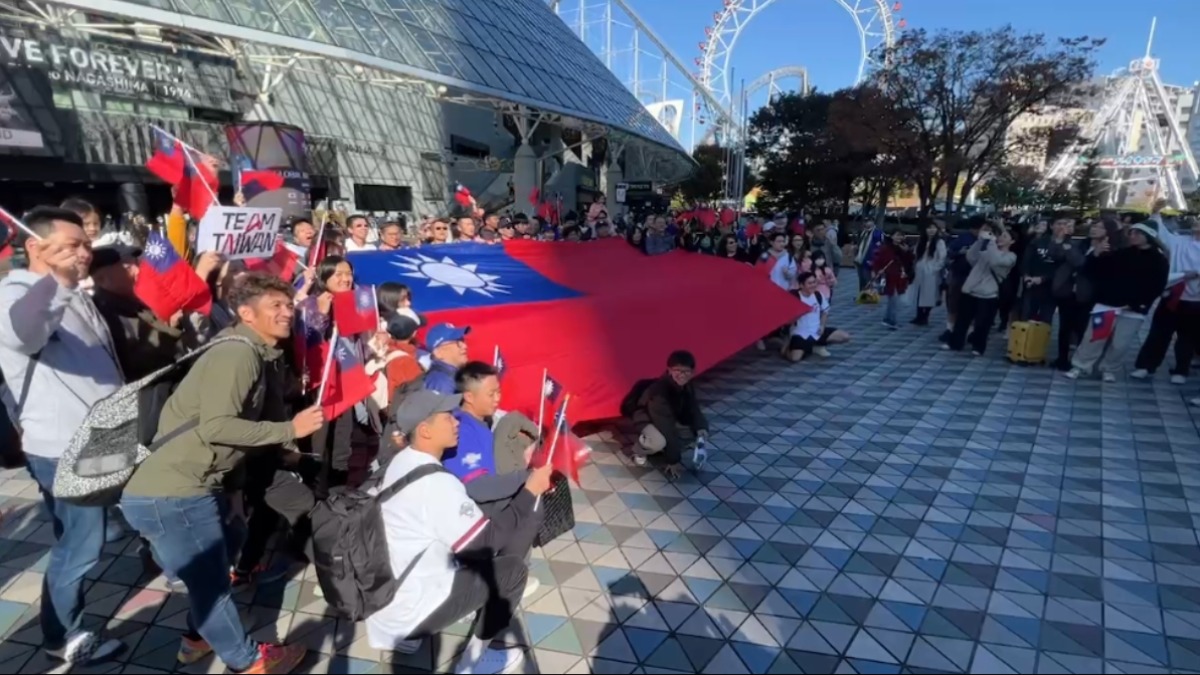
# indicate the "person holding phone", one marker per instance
pixel 990 261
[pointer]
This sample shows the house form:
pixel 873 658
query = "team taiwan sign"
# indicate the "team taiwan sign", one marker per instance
pixel 239 233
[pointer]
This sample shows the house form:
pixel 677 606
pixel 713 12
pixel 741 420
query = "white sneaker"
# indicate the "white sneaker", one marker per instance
pixel 1194 401
pixel 1140 374
pixel 407 647
pixel 1178 379
pixel 975 353
pixel 1109 377
pixel 821 352
pixel 1073 374
pixel 532 585
pixel 86 648
pixel 945 347
pixel 491 662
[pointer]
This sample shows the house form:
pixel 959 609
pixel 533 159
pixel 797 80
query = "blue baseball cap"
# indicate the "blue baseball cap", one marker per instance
pixel 444 332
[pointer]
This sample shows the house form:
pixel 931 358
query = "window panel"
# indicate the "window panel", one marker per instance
pixel 375 37
pixel 339 25
pixel 211 9
pixel 164 4
pixel 409 50
pixel 299 21
pixel 254 14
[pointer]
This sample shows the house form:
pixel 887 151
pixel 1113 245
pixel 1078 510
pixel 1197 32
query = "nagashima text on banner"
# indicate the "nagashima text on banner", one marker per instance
pixel 239 233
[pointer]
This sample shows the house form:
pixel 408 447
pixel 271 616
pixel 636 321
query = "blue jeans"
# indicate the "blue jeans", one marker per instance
pixel 190 542
pixel 79 540
pixel 864 276
pixel 891 304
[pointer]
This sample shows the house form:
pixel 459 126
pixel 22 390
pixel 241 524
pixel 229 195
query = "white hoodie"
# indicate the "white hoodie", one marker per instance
pixel 1184 253
pixel 75 368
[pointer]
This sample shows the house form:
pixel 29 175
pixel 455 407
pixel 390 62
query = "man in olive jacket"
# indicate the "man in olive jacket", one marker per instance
pixel 228 406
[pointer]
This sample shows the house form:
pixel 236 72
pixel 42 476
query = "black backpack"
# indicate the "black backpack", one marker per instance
pixel 629 404
pixel 350 550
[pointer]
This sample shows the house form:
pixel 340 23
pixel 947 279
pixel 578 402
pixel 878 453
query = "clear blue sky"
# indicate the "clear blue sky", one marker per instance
pixel 820 34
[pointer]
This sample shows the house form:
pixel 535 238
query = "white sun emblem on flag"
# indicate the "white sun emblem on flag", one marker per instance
pixel 446 272
pixel 155 250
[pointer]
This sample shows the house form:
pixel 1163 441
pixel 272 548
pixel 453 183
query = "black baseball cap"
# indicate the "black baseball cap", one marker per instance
pixel 403 324
pixel 116 254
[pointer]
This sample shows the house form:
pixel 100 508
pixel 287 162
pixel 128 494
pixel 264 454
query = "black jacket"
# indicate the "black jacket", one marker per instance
pixel 1042 257
pixel 667 406
pixel 1128 277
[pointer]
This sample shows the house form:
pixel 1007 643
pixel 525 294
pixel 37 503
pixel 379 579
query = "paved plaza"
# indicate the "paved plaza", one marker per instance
pixel 891 509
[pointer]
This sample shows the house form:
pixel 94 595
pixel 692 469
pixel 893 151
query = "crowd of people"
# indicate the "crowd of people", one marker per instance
pixel 243 448
pixel 1102 286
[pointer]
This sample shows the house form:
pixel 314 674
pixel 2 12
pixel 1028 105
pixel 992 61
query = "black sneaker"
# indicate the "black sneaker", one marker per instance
pixel 944 337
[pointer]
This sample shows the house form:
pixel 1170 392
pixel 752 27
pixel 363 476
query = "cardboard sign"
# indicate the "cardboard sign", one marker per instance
pixel 239 233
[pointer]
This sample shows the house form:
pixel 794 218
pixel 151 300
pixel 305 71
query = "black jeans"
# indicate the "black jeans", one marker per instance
pixel 1007 300
pixel 1037 304
pixel 974 315
pixel 275 491
pixel 1072 323
pixel 494 585
pixel 1180 323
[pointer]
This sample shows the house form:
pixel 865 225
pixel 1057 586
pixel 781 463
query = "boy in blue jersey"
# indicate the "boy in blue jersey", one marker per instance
pixel 474 459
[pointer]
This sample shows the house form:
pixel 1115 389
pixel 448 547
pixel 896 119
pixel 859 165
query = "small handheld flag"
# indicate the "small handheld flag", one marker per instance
pixel 463 196
pixel 1103 323
pixel 498 362
pixel 551 389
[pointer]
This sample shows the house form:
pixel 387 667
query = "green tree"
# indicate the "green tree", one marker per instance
pixel 707 181
pixel 959 93
pixel 791 142
pixel 1193 201
pixel 1012 187
pixel 1088 188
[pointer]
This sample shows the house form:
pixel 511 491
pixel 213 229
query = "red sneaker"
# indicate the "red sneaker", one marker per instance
pixel 277 659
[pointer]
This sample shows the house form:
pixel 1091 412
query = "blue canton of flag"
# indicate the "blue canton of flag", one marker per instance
pixel 166 144
pixel 364 299
pixel 159 253
pixel 552 389
pixel 499 363
pixel 560 417
pixel 347 354
pixel 312 335
pixel 460 276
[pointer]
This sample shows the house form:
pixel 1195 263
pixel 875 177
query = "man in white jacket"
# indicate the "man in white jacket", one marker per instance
pixel 57 358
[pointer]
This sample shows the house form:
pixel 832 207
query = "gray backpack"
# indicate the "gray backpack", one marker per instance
pixel 107 447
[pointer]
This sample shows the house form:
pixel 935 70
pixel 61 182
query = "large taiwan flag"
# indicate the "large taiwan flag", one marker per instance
pixel 598 315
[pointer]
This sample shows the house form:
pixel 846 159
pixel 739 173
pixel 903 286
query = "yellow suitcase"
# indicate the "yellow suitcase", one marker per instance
pixel 1028 341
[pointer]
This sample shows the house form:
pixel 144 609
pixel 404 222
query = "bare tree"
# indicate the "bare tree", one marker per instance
pixel 959 93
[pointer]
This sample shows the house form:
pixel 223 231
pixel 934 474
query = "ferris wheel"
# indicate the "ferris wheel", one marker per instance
pixel 875 20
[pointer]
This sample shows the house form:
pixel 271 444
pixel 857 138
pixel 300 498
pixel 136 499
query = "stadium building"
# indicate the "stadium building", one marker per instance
pixel 381 105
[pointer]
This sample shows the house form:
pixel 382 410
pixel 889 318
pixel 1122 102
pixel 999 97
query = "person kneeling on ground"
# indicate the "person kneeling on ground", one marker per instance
pixel 453 559
pixel 810 334
pixel 668 413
